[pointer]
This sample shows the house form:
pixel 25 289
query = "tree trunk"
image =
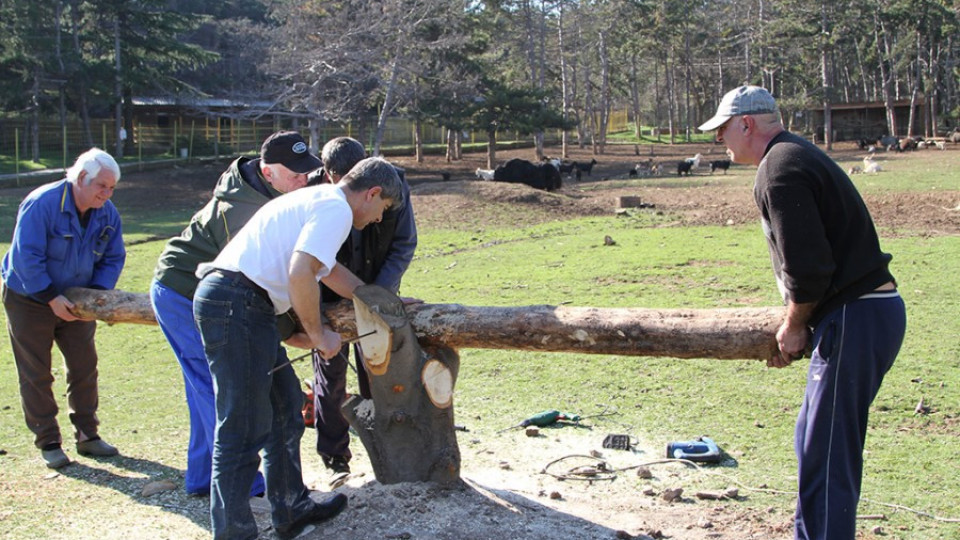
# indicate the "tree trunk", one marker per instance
pixel 418 139
pixel 886 69
pixel 118 91
pixel 407 426
pixel 564 154
pixel 81 81
pixel 387 103
pixel 825 80
pixel 734 333
pixel 491 148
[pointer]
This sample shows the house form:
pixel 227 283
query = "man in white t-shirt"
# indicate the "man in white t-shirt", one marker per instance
pixel 271 265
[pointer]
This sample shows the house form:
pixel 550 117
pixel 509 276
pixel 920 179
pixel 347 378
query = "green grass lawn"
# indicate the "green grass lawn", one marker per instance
pixel 747 408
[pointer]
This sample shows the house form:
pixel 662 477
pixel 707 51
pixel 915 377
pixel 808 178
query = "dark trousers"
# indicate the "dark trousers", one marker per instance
pixel 33 329
pixel 854 348
pixel 258 412
pixel 329 393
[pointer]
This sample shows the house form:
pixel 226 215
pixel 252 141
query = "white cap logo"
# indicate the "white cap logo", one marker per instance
pixel 299 148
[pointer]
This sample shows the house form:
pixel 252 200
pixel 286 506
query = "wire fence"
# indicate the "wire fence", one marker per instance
pixel 27 145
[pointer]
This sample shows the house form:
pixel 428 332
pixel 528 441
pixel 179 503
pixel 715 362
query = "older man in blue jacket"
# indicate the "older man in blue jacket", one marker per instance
pixel 67 234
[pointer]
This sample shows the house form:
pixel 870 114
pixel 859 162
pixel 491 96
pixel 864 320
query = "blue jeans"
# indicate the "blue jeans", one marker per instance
pixel 255 411
pixel 854 347
pixel 175 318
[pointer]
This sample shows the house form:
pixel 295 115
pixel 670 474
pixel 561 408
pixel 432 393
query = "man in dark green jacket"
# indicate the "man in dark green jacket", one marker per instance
pixel 242 189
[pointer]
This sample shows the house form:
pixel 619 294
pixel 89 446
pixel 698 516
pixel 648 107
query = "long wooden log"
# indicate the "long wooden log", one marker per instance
pixel 729 333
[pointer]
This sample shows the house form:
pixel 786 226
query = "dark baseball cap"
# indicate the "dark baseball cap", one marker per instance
pixel 290 150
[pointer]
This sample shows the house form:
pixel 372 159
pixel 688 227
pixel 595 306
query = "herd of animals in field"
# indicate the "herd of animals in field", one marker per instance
pixel 550 172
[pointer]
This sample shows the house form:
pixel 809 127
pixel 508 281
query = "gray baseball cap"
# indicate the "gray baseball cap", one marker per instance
pixel 740 101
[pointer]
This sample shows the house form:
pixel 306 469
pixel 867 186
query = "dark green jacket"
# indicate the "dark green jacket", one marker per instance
pixel 234 202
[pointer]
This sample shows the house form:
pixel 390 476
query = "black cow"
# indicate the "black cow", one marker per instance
pixel 723 164
pixel 520 171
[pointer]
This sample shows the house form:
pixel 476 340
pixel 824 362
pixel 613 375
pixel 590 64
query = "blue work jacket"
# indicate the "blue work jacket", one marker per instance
pixel 51 252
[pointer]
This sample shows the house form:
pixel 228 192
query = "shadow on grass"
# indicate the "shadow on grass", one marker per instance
pixel 129 475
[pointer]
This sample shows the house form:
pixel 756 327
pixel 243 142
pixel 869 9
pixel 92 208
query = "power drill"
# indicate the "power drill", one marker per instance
pixel 545 418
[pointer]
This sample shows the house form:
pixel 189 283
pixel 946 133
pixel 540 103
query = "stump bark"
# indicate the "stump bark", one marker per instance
pixel 407 426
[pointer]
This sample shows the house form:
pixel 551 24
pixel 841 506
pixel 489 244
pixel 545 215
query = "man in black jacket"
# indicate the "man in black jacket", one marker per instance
pixel 841 301
pixel 379 254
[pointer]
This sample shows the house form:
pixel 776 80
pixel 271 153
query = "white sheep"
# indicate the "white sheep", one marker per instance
pixel 941 145
pixel 694 161
pixel 485 174
pixel 871 166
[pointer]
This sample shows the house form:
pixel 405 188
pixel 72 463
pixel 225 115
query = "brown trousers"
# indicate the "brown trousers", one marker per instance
pixel 33 328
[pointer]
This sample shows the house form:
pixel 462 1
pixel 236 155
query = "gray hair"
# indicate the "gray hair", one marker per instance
pixel 376 172
pixel 340 154
pixel 92 162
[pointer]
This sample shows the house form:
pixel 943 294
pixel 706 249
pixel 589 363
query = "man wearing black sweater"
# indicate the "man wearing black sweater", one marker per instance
pixel 841 301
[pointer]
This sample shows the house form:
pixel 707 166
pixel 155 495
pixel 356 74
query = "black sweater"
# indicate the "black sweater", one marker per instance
pixel 822 241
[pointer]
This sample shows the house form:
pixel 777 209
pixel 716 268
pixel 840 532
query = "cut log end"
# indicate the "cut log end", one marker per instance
pixel 438 382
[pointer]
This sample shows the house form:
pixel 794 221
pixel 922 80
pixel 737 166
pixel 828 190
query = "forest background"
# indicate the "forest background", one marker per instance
pixel 526 66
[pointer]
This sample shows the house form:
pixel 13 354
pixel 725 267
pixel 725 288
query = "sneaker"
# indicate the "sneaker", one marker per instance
pixel 320 512
pixel 96 447
pixel 55 458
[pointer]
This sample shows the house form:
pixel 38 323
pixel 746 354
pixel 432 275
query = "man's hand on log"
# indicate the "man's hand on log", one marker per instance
pixel 792 341
pixel 63 308
pixel 328 345
pixel 300 340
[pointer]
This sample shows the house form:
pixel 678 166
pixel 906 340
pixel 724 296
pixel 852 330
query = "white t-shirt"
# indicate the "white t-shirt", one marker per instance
pixel 315 220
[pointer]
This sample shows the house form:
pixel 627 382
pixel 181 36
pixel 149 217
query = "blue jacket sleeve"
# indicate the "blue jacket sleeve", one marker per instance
pixel 106 270
pixel 28 250
pixel 402 247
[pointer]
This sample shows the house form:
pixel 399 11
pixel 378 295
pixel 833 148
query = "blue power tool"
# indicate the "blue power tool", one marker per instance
pixel 701 450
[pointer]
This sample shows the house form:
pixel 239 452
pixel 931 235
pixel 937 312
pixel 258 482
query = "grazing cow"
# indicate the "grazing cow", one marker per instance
pixel 955 136
pixel 586 167
pixel 720 164
pixel 539 176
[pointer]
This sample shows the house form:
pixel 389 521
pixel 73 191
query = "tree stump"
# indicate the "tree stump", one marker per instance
pixel 407 428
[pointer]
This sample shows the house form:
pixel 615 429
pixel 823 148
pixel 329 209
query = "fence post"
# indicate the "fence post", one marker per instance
pixel 64 147
pixel 193 127
pixel 16 153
